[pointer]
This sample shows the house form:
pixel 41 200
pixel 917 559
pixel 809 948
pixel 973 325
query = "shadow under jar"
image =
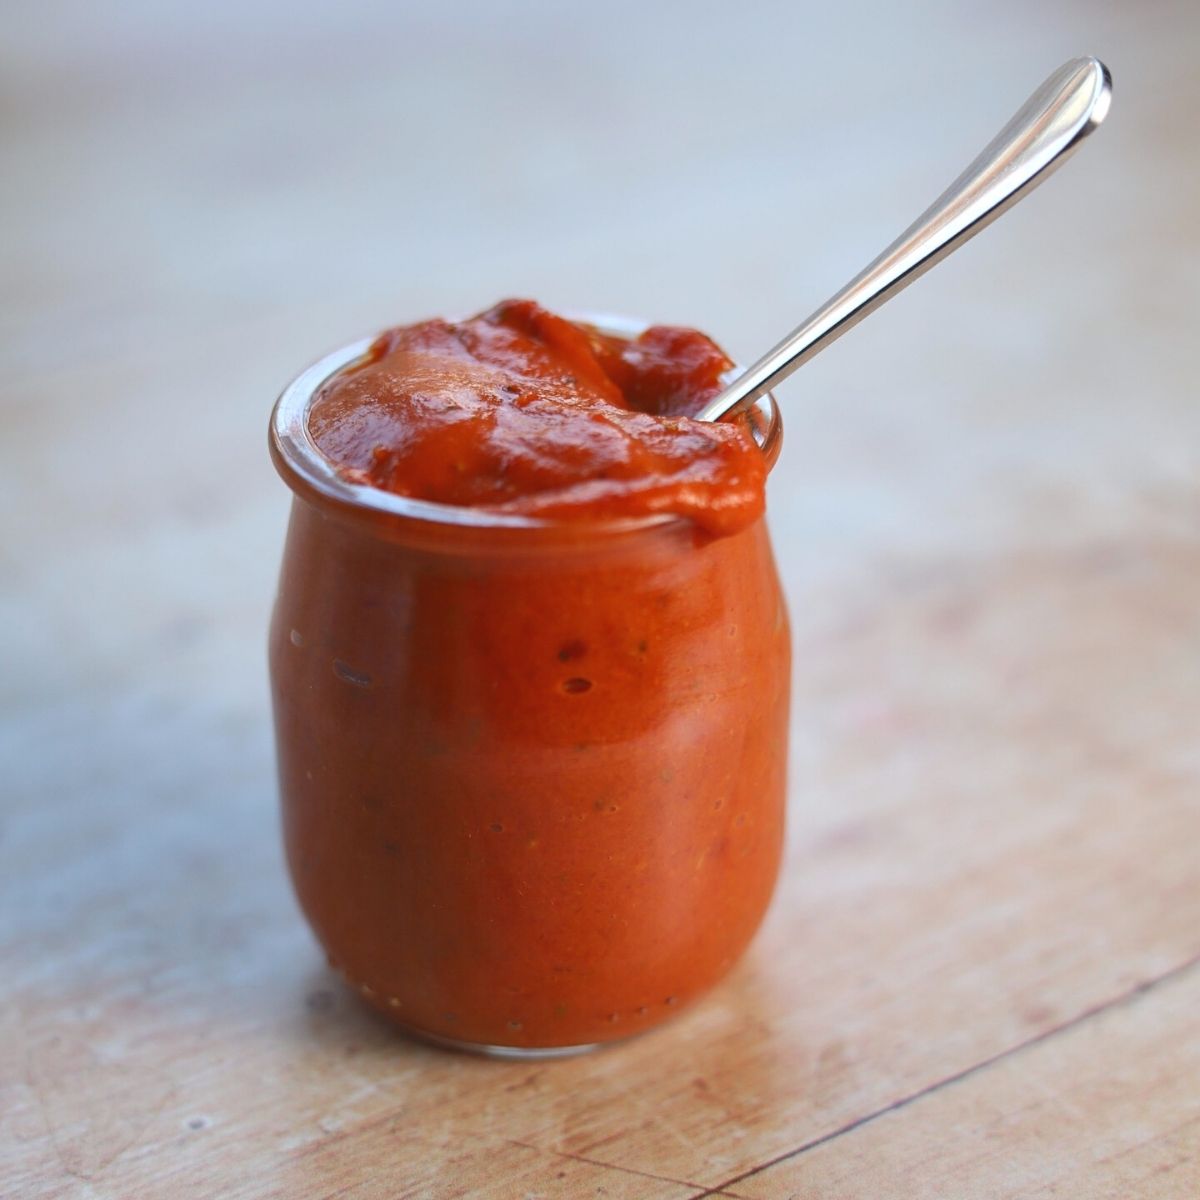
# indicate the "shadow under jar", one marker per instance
pixel 532 771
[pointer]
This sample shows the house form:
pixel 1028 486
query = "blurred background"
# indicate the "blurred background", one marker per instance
pixel 199 200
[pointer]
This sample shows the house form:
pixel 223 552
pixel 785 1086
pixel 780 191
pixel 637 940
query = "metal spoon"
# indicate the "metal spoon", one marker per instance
pixel 1054 120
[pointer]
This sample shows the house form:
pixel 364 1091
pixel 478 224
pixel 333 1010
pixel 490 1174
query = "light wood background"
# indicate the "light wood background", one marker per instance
pixel 981 976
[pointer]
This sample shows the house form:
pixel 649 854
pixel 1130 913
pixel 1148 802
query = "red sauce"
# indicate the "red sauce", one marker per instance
pixel 521 411
pixel 532 778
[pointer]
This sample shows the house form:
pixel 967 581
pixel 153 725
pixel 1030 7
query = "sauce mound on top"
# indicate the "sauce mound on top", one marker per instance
pixel 521 411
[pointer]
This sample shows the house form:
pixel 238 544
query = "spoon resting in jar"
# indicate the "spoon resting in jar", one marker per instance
pixel 1040 138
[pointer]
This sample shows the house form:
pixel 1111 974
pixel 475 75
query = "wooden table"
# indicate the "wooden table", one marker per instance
pixel 981 975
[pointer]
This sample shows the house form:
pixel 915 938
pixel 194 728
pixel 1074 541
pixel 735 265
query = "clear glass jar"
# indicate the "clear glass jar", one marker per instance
pixel 532 772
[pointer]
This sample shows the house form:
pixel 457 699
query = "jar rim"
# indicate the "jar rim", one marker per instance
pixel 310 474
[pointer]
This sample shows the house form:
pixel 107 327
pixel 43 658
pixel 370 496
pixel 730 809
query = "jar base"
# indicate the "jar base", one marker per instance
pixel 504 1053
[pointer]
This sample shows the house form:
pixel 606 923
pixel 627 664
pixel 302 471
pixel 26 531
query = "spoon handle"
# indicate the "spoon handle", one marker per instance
pixel 1054 120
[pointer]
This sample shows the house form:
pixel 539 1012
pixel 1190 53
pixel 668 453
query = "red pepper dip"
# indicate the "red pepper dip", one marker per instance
pixel 530 669
pixel 520 411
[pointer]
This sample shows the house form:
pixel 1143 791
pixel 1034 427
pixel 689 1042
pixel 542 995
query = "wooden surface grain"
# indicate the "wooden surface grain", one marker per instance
pixel 981 974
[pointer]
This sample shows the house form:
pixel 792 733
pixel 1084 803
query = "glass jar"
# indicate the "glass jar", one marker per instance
pixel 532 772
